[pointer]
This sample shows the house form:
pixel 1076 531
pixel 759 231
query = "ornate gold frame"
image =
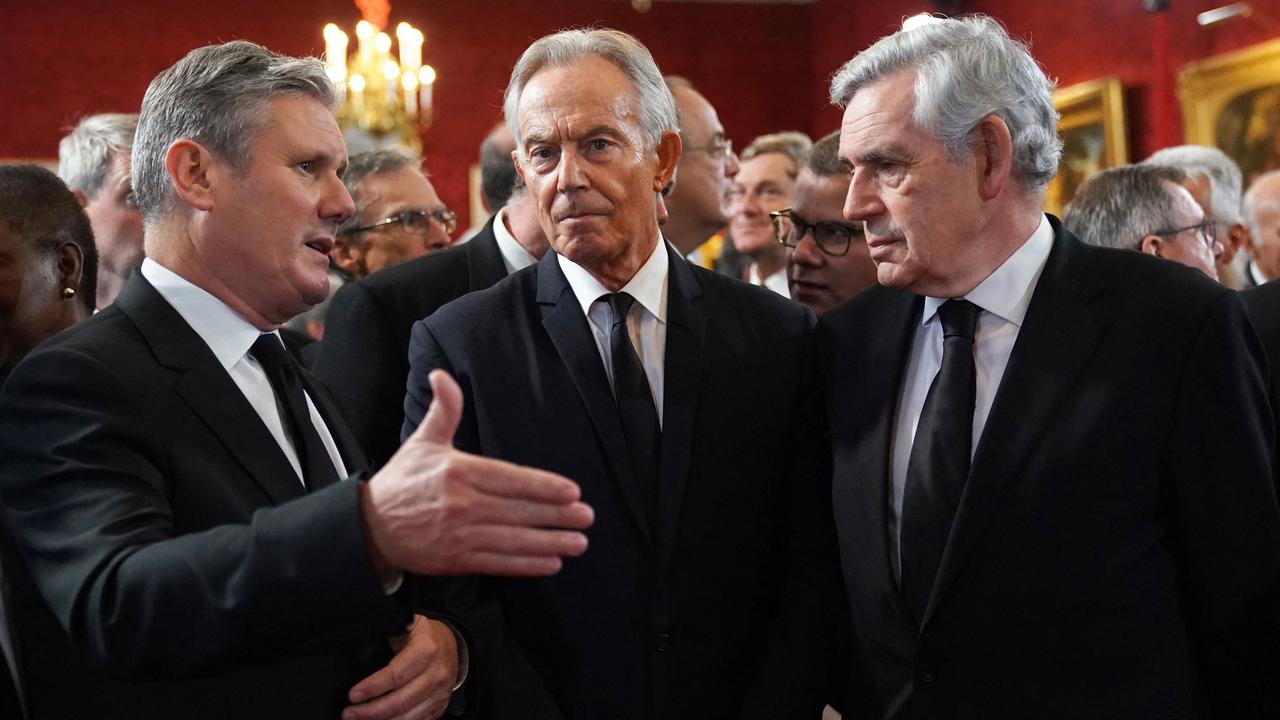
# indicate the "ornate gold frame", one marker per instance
pixel 1097 102
pixel 1206 87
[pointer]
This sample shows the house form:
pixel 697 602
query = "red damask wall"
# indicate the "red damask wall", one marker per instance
pixel 765 67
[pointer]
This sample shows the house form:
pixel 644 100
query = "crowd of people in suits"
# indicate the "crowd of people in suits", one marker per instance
pixel 678 432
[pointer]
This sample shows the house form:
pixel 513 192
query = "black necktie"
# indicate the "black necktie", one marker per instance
pixel 317 467
pixel 635 402
pixel 939 463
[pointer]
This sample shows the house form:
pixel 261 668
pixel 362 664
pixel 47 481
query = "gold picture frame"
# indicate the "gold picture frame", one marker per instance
pixel 1094 136
pixel 1232 102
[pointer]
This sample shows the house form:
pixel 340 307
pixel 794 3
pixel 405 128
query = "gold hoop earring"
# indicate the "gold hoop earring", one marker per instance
pixel 68 293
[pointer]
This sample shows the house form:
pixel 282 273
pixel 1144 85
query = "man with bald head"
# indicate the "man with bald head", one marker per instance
pixel 698 204
pixel 707 592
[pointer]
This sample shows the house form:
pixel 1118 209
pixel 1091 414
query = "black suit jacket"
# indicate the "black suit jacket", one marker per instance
pixel 1263 302
pixel 721 607
pixel 1117 526
pixel 172 563
pixel 364 357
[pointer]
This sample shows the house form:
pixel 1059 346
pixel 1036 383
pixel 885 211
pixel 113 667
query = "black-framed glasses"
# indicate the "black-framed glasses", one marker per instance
pixel 831 238
pixel 1207 230
pixel 415 221
pixel 715 147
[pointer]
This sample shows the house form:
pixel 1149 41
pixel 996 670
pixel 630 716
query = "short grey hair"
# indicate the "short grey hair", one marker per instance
pixel 655 106
pixel 795 145
pixel 1225 179
pixel 85 153
pixel 366 165
pixel 217 96
pixel 966 69
pixel 1119 206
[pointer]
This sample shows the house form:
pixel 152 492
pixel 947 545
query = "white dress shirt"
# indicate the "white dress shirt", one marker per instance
pixel 776 282
pixel 1256 274
pixel 646 321
pixel 514 256
pixel 230 336
pixel 1003 298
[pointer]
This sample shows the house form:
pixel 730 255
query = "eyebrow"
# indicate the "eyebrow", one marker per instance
pixel 875 155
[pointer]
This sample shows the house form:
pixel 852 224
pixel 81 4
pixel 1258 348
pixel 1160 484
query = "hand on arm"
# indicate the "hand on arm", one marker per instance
pixel 434 510
pixel 418 681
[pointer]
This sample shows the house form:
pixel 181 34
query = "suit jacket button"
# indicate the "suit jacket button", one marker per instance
pixel 926 674
pixel 662 642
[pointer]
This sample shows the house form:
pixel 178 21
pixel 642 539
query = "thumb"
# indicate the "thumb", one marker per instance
pixel 442 417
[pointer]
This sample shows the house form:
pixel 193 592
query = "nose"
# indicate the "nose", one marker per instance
pixel 571 172
pixel 861 202
pixel 806 251
pixel 731 165
pixel 336 204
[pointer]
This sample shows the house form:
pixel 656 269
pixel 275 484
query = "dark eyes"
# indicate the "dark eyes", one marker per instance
pixel 307 166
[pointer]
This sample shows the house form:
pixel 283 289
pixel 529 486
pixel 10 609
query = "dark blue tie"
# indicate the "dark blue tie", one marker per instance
pixel 940 455
pixel 635 403
pixel 317 467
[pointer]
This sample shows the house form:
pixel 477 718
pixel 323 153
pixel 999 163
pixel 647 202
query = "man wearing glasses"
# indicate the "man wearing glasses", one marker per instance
pixel 698 203
pixel 398 215
pixel 827 261
pixel 1145 208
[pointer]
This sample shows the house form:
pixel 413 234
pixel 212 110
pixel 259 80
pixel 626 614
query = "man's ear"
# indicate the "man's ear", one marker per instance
pixel 669 147
pixel 70 266
pixel 194 172
pixel 515 160
pixel 993 149
pixel 1152 245
pixel 348 256
pixel 80 197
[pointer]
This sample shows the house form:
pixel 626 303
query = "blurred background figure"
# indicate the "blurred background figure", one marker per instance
pixel 1214 181
pixel 1262 213
pixel 398 215
pixel 766 181
pixel 827 261
pixel 698 204
pixel 1145 208
pixel 93 160
pixel 48 262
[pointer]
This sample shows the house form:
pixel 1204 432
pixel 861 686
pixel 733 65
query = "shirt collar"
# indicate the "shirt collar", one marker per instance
pixel 1256 274
pixel 648 286
pixel 514 256
pixel 227 334
pixel 1007 291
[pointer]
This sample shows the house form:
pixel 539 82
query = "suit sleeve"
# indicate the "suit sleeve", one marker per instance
pixel 1224 512
pixel 799 665
pixel 358 359
pixel 503 684
pixel 85 480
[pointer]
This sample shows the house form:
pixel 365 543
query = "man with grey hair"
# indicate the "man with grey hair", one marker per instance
pixel 365 354
pixel 398 215
pixel 709 588
pixel 699 202
pixel 173 481
pixel 93 160
pixel 1036 443
pixel 1215 182
pixel 1145 208
pixel 765 183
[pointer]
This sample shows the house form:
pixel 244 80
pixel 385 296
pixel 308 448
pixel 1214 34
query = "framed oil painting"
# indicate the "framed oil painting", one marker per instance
pixel 1094 136
pixel 1232 102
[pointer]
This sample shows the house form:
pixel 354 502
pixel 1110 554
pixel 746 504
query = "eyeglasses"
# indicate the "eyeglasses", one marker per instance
pixel 415 221
pixel 1207 230
pixel 831 238
pixel 716 147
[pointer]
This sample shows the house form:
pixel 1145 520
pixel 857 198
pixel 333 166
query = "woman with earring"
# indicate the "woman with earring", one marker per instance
pixel 48 263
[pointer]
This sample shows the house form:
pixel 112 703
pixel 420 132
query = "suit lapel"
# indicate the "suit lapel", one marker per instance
pixel 484 260
pixel 872 438
pixel 1058 336
pixel 209 391
pixel 682 369
pixel 567 327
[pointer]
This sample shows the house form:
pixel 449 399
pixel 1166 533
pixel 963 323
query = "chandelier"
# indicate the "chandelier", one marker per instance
pixel 384 97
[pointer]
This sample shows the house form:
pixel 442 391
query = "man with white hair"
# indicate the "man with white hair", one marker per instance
pixel 173 480
pixel 1051 461
pixel 1215 182
pixel 709 588
pixel 1262 213
pixel 93 160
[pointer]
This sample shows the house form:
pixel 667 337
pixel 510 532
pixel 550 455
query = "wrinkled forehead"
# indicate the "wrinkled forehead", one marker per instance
pixel 574 98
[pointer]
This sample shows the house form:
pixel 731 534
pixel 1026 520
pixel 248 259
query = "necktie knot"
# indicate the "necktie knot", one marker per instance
pixel 269 351
pixel 959 318
pixel 620 303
